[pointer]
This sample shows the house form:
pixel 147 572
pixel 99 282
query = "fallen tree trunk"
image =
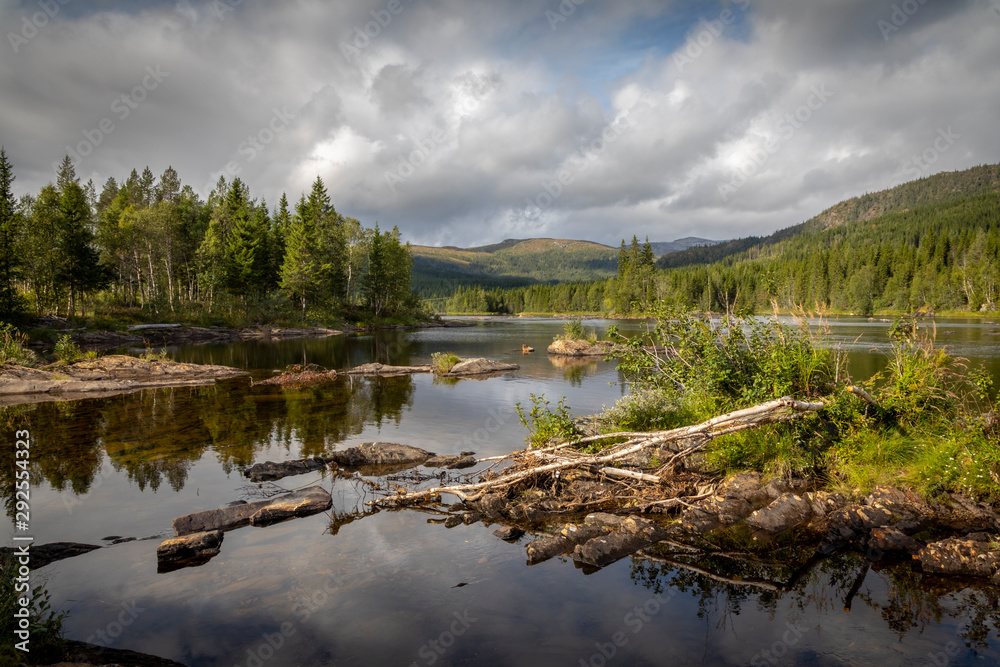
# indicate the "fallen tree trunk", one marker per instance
pixel 699 435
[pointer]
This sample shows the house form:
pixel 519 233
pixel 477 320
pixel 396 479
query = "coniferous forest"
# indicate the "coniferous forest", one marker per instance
pixel 912 249
pixel 146 248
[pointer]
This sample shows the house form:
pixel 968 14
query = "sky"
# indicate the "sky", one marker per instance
pixel 466 123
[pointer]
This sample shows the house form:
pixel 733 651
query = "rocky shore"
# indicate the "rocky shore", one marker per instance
pixel 103 376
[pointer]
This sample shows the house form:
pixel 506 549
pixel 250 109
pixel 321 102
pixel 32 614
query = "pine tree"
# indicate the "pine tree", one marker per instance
pixel 298 269
pixel 10 227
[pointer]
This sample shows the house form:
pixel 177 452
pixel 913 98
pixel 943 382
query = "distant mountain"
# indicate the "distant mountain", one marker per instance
pixel 515 262
pixel 937 189
pixel 661 248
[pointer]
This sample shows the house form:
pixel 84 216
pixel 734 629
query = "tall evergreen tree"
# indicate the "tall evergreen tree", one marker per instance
pixel 10 229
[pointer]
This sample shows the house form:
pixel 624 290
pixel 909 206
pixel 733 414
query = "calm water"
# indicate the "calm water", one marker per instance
pixel 383 589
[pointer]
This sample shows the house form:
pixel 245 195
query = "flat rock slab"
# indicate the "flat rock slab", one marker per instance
pixel 385 370
pixel 302 502
pixel 479 366
pixel 188 550
pixel 45 554
pixel 379 454
pixel 106 375
pixel 269 471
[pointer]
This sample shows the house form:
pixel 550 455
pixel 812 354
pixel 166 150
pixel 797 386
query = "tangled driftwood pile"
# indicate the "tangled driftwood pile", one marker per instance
pixel 679 443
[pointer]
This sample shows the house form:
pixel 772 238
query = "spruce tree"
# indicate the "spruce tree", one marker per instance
pixel 10 227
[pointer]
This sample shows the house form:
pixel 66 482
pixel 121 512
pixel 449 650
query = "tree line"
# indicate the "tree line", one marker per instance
pixel 147 247
pixel 937 257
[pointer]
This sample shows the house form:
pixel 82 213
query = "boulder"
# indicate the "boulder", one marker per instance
pixel 464 462
pixel 568 537
pixel 738 496
pixel 188 550
pixel 631 534
pixel 580 348
pixel 492 505
pixel 385 370
pixel 787 511
pixel 440 461
pixel 301 503
pixel 379 454
pixel 975 555
pixel 269 471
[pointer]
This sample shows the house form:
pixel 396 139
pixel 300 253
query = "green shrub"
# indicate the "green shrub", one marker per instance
pixel 66 350
pixel 442 362
pixel 544 425
pixel 45 624
pixel 646 409
pixel 573 330
pixel 12 350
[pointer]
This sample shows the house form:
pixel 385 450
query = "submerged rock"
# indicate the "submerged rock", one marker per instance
pixel 464 462
pixel 440 461
pixel 379 454
pixel 385 370
pixel 302 502
pixel 269 471
pixel 188 550
pixel 45 554
pixel 508 533
pixel 630 534
pixel 893 540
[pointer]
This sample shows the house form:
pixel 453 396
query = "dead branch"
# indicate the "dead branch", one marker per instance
pixel 858 391
pixel 699 435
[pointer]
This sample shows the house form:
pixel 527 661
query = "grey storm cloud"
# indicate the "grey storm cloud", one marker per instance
pixel 466 123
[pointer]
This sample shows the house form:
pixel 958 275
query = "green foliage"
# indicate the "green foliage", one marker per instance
pixel 45 624
pixel 573 330
pixel 12 349
pixel 646 409
pixel 545 425
pixel 442 362
pixel 66 350
pixel 727 364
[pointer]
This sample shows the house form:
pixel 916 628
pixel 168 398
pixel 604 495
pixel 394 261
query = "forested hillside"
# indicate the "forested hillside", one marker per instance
pixel 941 255
pixel 151 248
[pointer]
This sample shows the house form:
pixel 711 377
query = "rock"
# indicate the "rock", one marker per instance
pixel 568 537
pixel 470 518
pixel 492 505
pixel 963 514
pixel 453 521
pixel 632 533
pixel 479 366
pixel 851 525
pixel 508 533
pixel 787 511
pixel 380 454
pixel 604 519
pixel 580 348
pixel 738 496
pixel 961 556
pixel 823 503
pixel 892 539
pixel 385 370
pixel 104 376
pixel 45 554
pixel 188 550
pixel 298 503
pixel 466 453
pixel 303 501
pixel 462 463
pixel 269 471
pixel 440 461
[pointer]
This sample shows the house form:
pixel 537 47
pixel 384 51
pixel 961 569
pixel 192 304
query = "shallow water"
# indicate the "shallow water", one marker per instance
pixel 387 588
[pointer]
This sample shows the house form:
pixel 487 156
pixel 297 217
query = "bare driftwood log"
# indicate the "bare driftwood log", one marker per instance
pixel 698 436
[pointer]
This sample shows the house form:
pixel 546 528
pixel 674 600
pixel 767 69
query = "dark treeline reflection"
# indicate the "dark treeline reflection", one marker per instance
pixel 155 436
pixel 912 603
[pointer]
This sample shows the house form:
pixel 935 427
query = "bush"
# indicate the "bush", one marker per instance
pixel 573 330
pixel 45 624
pixel 646 409
pixel 12 350
pixel 66 350
pixel 545 425
pixel 442 362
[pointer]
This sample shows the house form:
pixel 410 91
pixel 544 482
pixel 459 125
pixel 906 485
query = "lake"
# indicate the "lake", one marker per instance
pixel 398 588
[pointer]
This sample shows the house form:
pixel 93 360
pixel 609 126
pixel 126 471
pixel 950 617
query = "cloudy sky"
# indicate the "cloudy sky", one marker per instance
pixel 466 123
